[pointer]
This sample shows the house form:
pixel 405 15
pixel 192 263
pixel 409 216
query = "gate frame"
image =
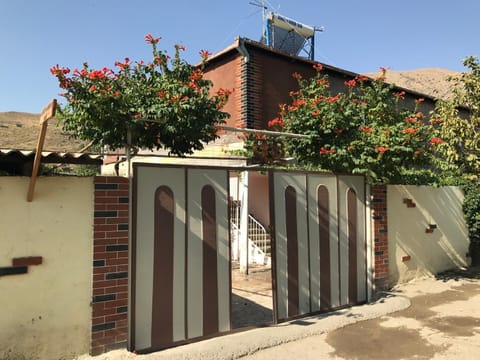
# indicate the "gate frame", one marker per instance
pixel 133 242
pixel 367 235
pixel 133 259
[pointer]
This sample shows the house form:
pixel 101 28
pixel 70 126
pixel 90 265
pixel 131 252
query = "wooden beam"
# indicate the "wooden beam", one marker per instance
pixel 47 113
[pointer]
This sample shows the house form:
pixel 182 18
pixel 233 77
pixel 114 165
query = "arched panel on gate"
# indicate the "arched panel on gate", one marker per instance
pixel 292 250
pixel 162 300
pixel 210 274
pixel 323 212
pixel 352 219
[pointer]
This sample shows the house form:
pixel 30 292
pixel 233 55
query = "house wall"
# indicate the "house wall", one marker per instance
pixel 277 81
pixel 45 313
pixel 226 74
pixel 265 81
pixel 258 197
pixel 415 251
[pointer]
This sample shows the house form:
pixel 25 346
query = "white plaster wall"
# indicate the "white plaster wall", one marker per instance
pixel 46 313
pixel 259 197
pixel 430 253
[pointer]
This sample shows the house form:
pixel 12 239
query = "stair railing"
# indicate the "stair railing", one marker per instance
pixel 256 231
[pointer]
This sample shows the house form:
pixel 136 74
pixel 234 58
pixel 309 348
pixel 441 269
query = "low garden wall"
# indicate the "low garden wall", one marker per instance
pixel 46 267
pixel 427 233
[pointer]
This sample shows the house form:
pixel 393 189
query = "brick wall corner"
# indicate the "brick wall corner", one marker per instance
pixel 380 238
pixel 110 265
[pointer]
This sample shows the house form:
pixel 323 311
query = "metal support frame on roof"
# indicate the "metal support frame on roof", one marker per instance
pixel 289 35
pixel 47 113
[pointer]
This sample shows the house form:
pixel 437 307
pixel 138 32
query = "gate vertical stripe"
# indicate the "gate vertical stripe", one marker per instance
pixel 210 276
pixel 162 302
pixel 352 219
pixel 324 236
pixel 292 250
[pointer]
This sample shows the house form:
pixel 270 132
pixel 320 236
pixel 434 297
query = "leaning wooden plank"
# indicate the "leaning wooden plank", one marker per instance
pixel 47 113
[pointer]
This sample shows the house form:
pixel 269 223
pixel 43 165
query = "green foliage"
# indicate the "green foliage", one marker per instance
pixel 461 135
pixel 69 170
pixel 164 103
pixel 361 130
pixel 471 208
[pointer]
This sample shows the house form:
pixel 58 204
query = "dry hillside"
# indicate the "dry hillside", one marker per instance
pixel 433 81
pixel 20 131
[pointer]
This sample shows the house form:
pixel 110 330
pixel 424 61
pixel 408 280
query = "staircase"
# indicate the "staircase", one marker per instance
pixel 259 240
pixel 259 235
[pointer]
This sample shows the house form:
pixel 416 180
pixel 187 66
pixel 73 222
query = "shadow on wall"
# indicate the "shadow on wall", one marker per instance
pixel 427 237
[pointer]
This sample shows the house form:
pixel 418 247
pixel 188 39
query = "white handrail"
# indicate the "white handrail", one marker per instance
pixel 257 233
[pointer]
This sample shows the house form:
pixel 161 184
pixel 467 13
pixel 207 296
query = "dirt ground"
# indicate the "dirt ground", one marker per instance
pixel 430 318
pixel 251 296
pixel 442 322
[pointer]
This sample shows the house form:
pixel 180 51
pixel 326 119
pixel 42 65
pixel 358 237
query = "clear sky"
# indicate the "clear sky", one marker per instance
pixel 359 36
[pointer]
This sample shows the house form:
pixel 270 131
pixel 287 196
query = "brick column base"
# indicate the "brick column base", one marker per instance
pixel 380 237
pixel 110 265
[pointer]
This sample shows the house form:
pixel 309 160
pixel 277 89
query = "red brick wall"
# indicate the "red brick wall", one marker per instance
pixel 110 265
pixel 226 74
pixel 380 237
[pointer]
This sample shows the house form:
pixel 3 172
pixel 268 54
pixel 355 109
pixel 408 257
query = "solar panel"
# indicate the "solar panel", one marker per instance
pixel 288 35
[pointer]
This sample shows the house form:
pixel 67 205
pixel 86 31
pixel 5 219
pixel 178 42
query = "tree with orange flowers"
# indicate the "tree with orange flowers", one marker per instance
pixel 361 130
pixel 164 103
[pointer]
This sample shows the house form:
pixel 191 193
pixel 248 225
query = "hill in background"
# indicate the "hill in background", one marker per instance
pixel 20 131
pixel 432 81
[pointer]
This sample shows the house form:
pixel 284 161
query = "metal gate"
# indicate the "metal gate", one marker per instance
pixel 180 254
pixel 180 286
pixel 319 261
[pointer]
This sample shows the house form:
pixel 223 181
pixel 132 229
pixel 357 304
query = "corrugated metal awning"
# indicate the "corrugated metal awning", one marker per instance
pixel 52 157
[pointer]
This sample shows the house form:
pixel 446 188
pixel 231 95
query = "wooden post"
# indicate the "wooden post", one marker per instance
pixel 47 113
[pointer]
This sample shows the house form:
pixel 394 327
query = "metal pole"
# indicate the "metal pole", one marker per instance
pixel 250 131
pixel 369 235
pixel 263 132
pixel 243 239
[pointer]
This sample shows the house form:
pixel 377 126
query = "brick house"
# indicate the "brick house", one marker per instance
pixel 262 79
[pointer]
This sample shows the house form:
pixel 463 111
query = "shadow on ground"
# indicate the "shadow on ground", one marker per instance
pixel 460 274
pixel 246 313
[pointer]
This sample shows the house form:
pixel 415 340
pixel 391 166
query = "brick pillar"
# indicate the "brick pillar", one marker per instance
pixel 380 237
pixel 110 265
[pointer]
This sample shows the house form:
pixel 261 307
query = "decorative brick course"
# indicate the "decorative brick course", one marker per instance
pixel 380 237
pixel 110 265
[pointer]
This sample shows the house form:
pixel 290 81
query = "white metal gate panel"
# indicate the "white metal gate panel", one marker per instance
pixel 319 242
pixel 180 256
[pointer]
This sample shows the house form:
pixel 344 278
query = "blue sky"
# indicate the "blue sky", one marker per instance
pixel 359 36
